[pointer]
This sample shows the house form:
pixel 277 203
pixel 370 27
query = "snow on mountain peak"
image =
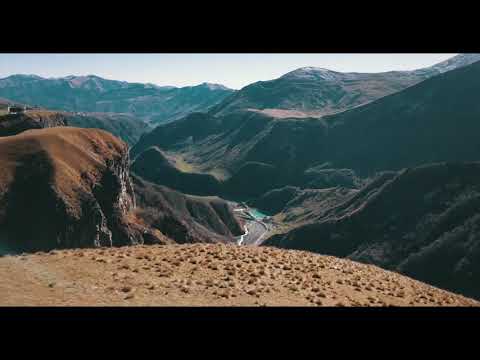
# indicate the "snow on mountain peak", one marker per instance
pixel 312 73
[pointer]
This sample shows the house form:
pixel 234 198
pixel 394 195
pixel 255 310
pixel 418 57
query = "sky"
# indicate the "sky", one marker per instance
pixel 232 70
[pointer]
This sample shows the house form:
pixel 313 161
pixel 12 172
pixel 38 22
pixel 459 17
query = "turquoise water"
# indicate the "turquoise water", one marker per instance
pixel 257 214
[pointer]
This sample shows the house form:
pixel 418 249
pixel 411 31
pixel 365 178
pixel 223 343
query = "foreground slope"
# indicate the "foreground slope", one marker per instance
pixel 207 275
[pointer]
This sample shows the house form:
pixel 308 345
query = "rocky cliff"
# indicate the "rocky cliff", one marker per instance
pixel 65 188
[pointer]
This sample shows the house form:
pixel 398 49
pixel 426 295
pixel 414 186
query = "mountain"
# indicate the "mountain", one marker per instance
pixel 422 222
pixel 185 218
pixel 303 92
pixel 156 166
pixel 4 103
pixel 433 121
pixel 91 93
pixel 206 275
pixel 63 187
pixel 73 188
pixel 164 172
pixel 421 124
pixel 453 63
pixel 239 146
pixel 125 126
pixel 312 91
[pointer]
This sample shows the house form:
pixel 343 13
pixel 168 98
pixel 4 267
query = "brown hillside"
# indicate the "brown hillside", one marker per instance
pixel 207 275
pixel 63 187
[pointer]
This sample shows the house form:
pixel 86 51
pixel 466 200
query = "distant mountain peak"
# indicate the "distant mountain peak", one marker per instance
pixel 312 73
pixel 313 69
pixel 213 86
pixel 455 62
pixel 24 77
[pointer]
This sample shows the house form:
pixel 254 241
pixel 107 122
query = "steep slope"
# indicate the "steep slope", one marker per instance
pixel 93 94
pixel 65 187
pixel 127 127
pixel 316 91
pixel 422 222
pixel 185 218
pixel 294 207
pixel 453 63
pixel 13 124
pixel 242 146
pixel 153 165
pixel 207 275
pixel 433 121
pixel 253 152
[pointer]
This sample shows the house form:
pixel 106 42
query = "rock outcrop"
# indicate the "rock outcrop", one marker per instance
pixel 13 124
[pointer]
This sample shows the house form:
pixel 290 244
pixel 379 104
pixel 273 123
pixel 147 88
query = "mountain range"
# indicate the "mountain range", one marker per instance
pixel 415 125
pixel 312 91
pixel 378 168
pixel 321 175
pixel 151 103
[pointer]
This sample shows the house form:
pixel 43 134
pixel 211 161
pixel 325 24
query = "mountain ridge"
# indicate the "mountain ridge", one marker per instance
pixel 319 91
pixel 419 124
pixel 92 93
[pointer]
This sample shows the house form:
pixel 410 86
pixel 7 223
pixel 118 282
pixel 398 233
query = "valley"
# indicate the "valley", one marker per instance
pixel 256 226
pixel 317 188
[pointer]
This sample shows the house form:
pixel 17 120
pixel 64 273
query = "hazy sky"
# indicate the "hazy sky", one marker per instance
pixel 232 70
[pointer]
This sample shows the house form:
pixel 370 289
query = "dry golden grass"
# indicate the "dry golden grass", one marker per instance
pixel 183 164
pixel 76 155
pixel 180 163
pixel 207 275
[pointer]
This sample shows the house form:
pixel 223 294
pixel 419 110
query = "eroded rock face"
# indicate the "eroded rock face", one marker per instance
pixel 66 188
